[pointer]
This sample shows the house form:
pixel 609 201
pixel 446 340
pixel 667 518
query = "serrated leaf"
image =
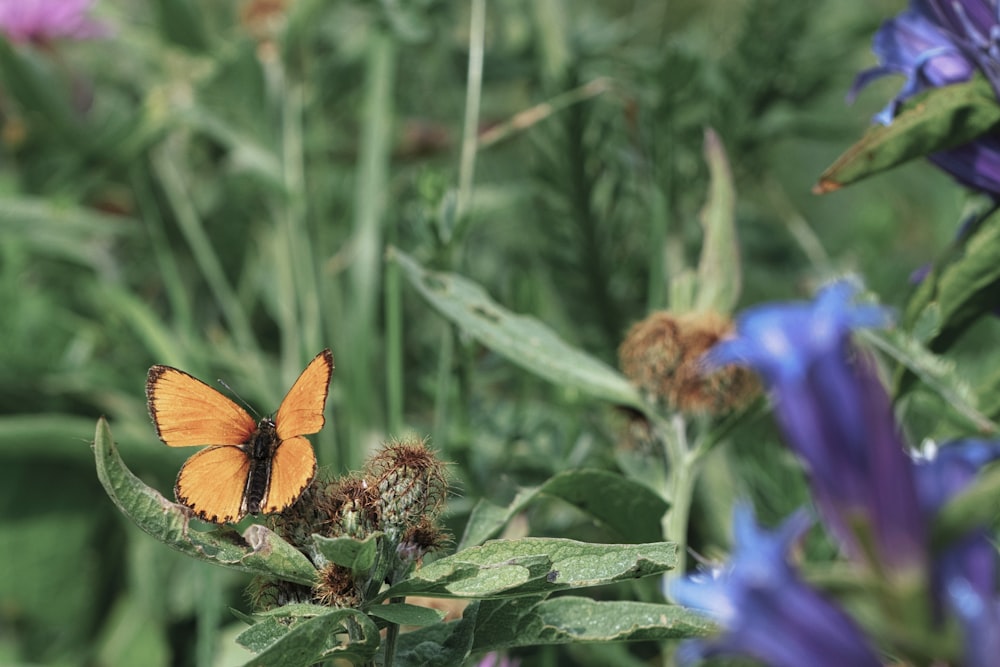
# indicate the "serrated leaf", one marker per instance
pixel 533 565
pixel 354 554
pixel 310 639
pixel 259 551
pixel 521 339
pixel 937 373
pixel 621 504
pixel 719 274
pixel 932 121
pixel 401 613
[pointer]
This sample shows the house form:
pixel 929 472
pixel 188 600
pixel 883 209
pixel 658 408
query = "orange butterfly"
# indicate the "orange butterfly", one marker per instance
pixel 250 467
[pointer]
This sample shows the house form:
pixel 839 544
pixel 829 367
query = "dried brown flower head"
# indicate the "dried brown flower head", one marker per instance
pixel 662 355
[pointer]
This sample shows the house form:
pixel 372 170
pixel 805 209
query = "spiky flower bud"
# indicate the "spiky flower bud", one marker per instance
pixel 353 509
pixel 409 485
pixel 419 540
pixel 662 355
pixel 306 516
pixel 268 593
pixel 336 587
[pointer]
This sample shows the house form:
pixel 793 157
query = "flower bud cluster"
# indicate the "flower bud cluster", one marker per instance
pixel 397 497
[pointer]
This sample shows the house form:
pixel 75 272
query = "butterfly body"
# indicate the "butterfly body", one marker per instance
pixel 260 450
pixel 248 467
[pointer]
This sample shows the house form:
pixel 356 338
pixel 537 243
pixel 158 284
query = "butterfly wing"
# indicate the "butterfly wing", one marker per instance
pixel 292 468
pixel 301 411
pixel 213 482
pixel 188 412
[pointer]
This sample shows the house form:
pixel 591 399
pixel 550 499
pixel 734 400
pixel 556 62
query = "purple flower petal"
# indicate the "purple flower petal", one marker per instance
pixel 765 610
pixel 836 415
pixel 937 43
pixel 45 20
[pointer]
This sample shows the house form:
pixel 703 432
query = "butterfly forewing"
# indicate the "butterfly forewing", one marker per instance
pixel 301 411
pixel 292 469
pixel 212 483
pixel 188 412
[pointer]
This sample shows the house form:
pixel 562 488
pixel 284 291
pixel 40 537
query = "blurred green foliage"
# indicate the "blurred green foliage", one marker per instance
pixel 214 188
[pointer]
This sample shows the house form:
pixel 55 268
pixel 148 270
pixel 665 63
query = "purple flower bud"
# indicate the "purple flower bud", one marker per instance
pixel 765 610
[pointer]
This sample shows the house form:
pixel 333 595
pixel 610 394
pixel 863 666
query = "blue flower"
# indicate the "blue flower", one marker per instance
pixel 837 417
pixel 765 610
pixel 964 573
pixel 873 496
pixel 936 43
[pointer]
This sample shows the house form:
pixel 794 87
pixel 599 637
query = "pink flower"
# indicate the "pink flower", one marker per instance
pixel 47 20
pixel 494 659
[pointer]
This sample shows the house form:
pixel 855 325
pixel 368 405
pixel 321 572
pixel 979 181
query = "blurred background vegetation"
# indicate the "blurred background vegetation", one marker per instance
pixel 213 187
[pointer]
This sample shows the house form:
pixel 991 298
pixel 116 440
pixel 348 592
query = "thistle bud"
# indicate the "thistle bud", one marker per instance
pixel 305 517
pixel 352 508
pixel 420 540
pixel 268 593
pixel 336 587
pixel 408 483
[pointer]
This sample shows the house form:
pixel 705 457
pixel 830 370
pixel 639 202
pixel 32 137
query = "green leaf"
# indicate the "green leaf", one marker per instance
pixel 530 566
pixel 47 436
pixel 937 373
pixel 310 638
pixel 523 340
pixel 626 506
pixel 64 230
pixel 441 644
pixel 719 274
pixel 34 85
pixel 130 637
pixel 401 613
pixel 354 554
pixel 259 551
pixel 960 289
pixel 575 619
pixel 531 621
pixel 974 507
pixel 935 120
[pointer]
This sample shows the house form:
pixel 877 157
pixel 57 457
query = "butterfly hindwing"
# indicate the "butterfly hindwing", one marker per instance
pixel 292 468
pixel 188 412
pixel 301 411
pixel 213 482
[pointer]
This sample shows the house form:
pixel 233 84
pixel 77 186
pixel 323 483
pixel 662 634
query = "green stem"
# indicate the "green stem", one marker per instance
pixel 169 174
pixel 305 299
pixel 683 463
pixel 363 396
pixel 393 342
pixel 473 97
pixel 442 392
pixel 391 635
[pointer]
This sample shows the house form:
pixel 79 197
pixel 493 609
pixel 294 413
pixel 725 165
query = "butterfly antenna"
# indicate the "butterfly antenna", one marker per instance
pixel 245 404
